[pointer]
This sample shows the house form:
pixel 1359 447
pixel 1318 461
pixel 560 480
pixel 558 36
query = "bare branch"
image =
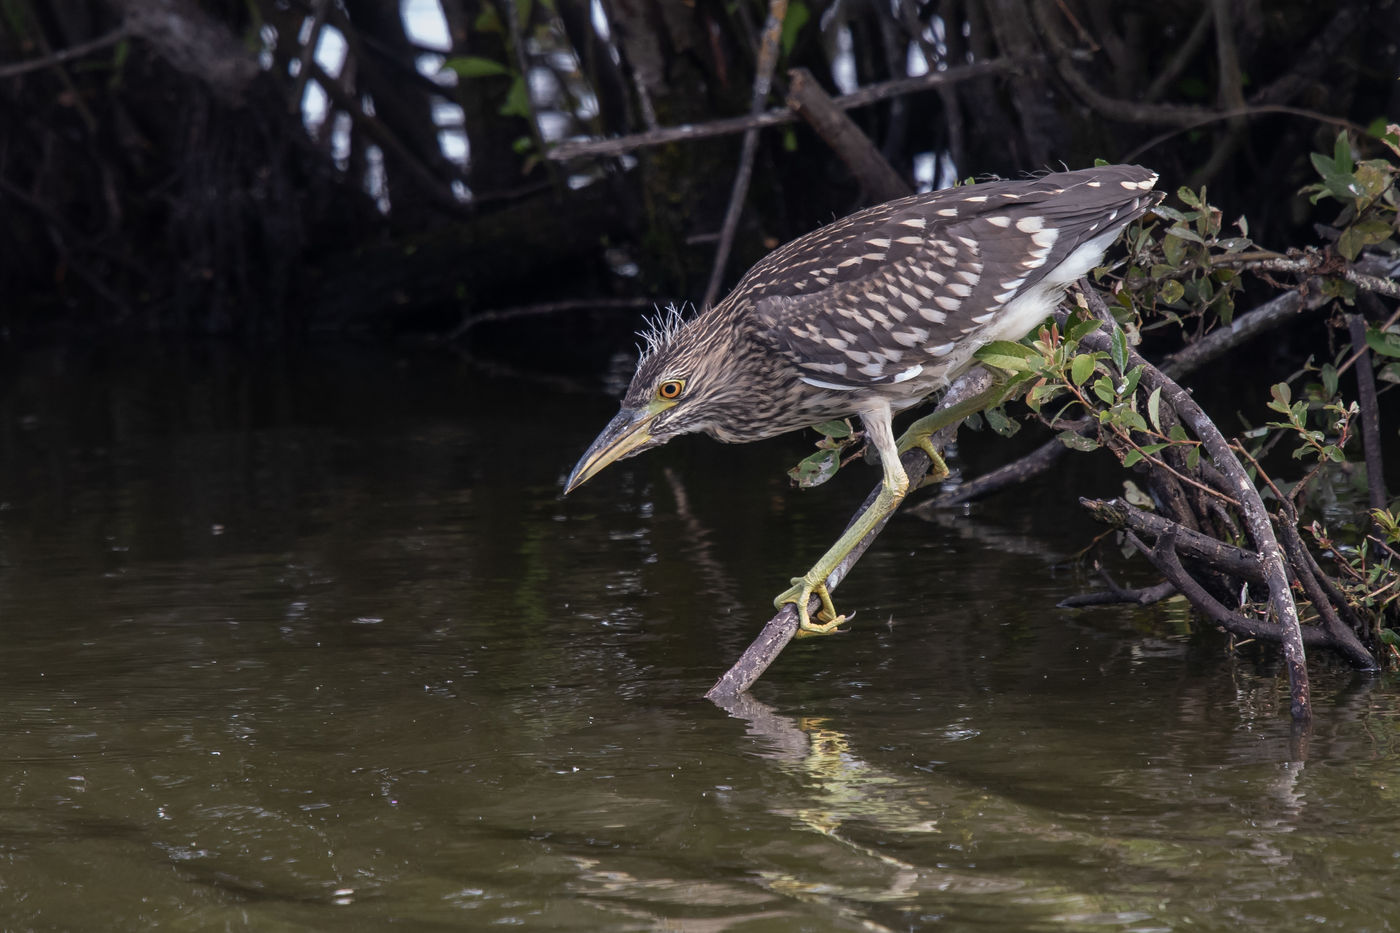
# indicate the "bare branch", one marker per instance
pixel 783 626
pixel 864 96
pixel 762 85
pixel 65 55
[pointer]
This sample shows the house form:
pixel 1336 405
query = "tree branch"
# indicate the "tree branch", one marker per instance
pixel 1256 519
pixel 783 625
pixel 874 93
pixel 65 55
pixel 762 85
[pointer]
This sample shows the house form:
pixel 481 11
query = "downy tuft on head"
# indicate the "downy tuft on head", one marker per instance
pixel 660 330
pixel 697 358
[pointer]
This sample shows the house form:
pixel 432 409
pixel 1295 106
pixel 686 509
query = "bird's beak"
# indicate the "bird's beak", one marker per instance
pixel 625 435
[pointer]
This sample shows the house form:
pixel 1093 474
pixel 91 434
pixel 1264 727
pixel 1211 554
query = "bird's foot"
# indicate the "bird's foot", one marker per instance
pixel 938 470
pixel 800 594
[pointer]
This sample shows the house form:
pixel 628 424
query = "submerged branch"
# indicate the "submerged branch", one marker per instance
pixel 783 625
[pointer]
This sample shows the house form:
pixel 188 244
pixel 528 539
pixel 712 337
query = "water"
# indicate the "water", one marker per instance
pixel 313 644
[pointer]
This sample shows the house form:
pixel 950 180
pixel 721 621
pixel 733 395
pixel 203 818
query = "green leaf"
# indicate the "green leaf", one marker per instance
pixel 815 469
pixel 1193 458
pixel 1131 419
pixel 1131 457
pixel 1082 368
pixel 1174 249
pixel 1006 348
pixel 1188 197
pixel 1120 350
pixel 1077 442
pixel 1081 328
pixel 1182 232
pixel 1130 384
pixel 837 429
pixel 474 66
pixel 797 17
pixel 1171 291
pixel 1154 409
pixel 1359 236
pixel 1177 433
pixel 1000 423
pixel 1103 388
pixel 517 102
pixel 1384 342
pixel 1329 379
pixel 1341 154
pixel 1390 637
pixel 1012 364
pixel 488 20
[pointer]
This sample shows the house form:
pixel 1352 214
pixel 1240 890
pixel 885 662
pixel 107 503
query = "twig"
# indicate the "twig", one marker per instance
pixel 1180 58
pixel 65 55
pixel 869 95
pixel 783 625
pixel 319 10
pixel 548 307
pixel 1312 261
pixel 1250 110
pixel 762 85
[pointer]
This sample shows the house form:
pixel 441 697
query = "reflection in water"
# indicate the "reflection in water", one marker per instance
pixel 315 644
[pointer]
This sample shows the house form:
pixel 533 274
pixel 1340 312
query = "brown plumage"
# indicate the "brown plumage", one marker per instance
pixel 869 315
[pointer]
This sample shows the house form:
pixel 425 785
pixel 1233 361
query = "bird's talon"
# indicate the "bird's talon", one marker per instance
pixel 800 594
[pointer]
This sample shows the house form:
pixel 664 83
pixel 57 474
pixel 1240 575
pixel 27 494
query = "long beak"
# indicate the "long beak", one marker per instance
pixel 625 435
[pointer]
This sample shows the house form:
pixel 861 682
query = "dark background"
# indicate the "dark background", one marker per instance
pixel 188 168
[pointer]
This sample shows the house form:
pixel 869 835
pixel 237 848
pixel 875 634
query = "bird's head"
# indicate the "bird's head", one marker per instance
pixel 678 386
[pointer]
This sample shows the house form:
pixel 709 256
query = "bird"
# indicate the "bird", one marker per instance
pixel 867 317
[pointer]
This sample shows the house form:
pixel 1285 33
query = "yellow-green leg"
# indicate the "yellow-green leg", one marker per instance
pixel 880 432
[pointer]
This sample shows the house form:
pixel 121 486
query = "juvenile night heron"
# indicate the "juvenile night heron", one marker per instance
pixel 867 317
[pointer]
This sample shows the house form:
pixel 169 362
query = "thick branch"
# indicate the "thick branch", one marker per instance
pixel 1163 557
pixel 1235 561
pixel 879 179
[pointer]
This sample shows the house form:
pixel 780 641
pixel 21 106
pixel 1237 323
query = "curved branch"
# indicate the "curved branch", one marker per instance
pixel 1257 521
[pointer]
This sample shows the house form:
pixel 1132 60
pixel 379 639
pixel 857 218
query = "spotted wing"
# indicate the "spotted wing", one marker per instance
pixel 912 287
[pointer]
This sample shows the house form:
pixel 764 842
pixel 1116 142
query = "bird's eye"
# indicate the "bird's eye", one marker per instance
pixel 671 389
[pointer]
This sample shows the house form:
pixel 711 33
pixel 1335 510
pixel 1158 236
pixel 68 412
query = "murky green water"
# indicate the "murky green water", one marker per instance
pixel 314 644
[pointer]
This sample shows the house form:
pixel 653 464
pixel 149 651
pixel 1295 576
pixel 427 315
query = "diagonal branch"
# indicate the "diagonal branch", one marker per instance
pixel 783 626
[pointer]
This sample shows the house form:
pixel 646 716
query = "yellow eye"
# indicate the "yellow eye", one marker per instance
pixel 671 389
